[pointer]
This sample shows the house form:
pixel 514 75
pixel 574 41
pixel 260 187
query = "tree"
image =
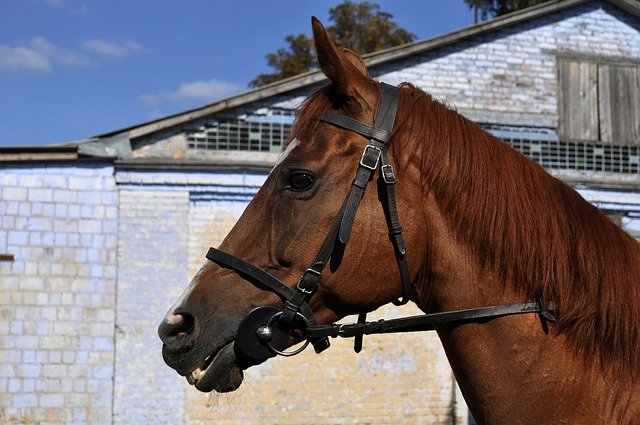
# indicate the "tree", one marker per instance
pixel 362 27
pixel 493 8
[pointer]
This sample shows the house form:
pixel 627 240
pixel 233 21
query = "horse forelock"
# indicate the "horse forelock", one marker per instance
pixel 535 231
pixel 309 112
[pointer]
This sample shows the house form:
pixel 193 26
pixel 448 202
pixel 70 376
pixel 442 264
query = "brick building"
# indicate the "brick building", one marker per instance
pixel 97 239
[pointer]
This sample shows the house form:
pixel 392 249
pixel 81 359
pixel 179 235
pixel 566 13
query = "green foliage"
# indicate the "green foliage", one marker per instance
pixel 297 59
pixel 362 27
pixel 492 8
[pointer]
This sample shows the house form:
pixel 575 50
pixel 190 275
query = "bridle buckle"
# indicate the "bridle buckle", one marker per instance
pixel 301 288
pixel 370 157
pixel 388 175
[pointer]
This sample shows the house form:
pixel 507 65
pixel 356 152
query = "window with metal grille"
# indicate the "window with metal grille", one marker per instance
pixel 267 134
pixel 543 145
pixel 580 156
pixel 255 133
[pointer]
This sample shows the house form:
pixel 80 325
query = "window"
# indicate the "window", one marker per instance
pixel 598 101
pixel 253 133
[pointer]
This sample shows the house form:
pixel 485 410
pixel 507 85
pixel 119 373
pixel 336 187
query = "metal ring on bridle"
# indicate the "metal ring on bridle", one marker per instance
pixel 286 353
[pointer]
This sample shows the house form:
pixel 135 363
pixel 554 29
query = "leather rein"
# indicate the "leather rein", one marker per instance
pixel 266 331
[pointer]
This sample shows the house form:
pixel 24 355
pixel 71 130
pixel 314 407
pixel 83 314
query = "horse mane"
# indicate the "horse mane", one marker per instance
pixel 534 230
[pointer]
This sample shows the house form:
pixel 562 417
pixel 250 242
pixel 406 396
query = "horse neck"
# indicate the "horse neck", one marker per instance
pixel 511 369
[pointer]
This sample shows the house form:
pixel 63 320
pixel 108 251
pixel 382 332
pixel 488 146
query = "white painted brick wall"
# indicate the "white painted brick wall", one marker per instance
pixel 155 239
pixel 509 76
pixel 58 297
pixel 152 252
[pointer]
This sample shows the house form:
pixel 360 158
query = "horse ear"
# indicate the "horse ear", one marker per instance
pixel 328 55
pixel 356 60
pixel 344 68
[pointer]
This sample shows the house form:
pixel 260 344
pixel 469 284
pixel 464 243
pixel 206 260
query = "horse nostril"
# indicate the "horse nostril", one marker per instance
pixel 175 328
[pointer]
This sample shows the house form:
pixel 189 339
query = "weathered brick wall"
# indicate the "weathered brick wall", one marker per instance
pixel 509 76
pixel 152 252
pixel 59 318
pixel 209 223
pixel 57 299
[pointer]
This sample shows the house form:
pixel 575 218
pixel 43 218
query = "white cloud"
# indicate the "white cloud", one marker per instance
pixel 205 91
pixel 59 54
pixel 111 48
pixel 73 6
pixel 38 55
pixel 17 58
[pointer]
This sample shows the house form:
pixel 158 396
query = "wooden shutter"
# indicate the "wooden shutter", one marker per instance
pixel 619 104
pixel 578 100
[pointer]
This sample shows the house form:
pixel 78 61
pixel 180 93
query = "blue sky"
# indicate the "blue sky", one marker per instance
pixel 72 69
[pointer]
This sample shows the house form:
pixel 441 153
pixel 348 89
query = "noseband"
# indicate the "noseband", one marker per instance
pixel 266 331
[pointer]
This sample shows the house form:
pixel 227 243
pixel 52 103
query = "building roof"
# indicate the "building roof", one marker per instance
pixel 116 144
pixel 372 60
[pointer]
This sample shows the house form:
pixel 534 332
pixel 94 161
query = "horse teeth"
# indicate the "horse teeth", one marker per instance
pixel 195 376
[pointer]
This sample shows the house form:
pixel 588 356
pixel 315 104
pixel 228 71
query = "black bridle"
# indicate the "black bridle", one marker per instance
pixel 266 331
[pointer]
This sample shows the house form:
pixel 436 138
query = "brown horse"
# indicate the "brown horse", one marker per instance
pixel 483 225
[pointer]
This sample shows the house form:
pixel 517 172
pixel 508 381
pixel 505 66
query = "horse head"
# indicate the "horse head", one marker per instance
pixel 312 246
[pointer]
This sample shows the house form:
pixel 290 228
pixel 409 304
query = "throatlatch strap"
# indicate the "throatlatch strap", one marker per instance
pixel 386 120
pixel 395 229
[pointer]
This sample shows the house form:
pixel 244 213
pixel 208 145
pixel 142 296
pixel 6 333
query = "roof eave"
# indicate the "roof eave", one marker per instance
pixel 37 153
pixel 264 92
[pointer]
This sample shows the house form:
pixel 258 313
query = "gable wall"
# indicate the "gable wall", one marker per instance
pixel 509 76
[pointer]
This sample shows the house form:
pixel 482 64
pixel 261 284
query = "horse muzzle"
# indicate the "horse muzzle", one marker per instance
pixel 208 363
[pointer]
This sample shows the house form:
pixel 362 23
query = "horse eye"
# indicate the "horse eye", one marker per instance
pixel 300 180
